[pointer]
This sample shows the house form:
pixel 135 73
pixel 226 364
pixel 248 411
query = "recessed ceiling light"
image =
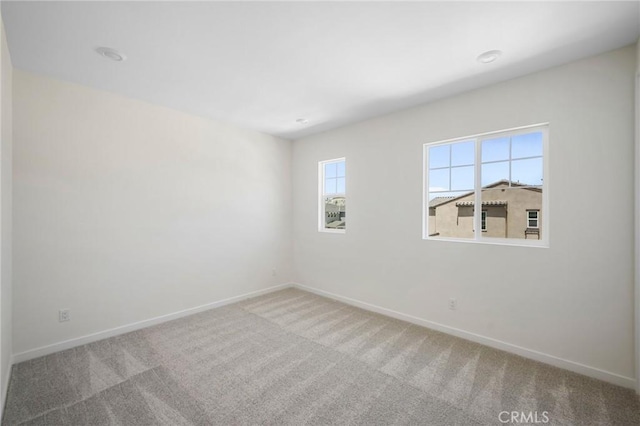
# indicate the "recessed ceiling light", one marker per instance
pixel 112 54
pixel 490 56
pixel 302 121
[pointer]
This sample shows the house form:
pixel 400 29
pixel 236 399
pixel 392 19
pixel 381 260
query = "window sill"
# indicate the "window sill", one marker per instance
pixel 333 231
pixel 495 241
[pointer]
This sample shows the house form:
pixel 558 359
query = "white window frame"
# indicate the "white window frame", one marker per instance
pixel 537 219
pixel 477 215
pixel 321 194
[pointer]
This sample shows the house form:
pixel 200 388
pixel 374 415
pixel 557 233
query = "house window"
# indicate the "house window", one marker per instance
pixel 532 218
pixel 502 172
pixel 332 202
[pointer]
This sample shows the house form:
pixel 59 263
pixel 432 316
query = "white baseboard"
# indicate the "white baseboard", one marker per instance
pixel 89 338
pixel 607 376
pixel 576 367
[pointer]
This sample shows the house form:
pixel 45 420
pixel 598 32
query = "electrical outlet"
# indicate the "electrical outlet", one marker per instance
pixel 64 315
pixel 453 304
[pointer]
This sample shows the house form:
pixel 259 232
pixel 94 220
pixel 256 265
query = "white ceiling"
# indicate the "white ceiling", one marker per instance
pixel 262 65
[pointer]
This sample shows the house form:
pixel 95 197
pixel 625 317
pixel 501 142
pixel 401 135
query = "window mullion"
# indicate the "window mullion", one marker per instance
pixel 477 211
pixel 510 154
pixel 450 163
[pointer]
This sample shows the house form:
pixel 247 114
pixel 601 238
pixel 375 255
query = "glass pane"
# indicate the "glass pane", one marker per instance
pixel 439 156
pixel 494 172
pixel 439 180
pixel 340 169
pixel 527 172
pixel 340 186
pixel 335 212
pixel 330 186
pixel 462 153
pixel 529 145
pixel 330 170
pixel 495 149
pixel 462 178
pixel 507 212
pixel 450 215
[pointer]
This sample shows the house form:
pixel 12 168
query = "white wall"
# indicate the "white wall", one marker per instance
pixel 6 89
pixel 125 211
pixel 573 301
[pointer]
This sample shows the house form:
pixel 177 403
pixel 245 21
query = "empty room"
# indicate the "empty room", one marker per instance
pixel 319 213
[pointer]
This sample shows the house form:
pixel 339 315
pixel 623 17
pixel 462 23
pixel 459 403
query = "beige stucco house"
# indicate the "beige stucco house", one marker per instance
pixel 508 211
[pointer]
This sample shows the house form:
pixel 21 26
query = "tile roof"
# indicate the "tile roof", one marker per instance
pixel 439 200
pixel 484 203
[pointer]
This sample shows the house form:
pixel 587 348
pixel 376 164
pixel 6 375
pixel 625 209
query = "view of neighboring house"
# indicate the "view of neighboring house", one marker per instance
pixel 509 210
pixel 334 211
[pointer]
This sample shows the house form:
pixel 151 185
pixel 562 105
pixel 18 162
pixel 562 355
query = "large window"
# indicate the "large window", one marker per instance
pixel 332 203
pixel 502 172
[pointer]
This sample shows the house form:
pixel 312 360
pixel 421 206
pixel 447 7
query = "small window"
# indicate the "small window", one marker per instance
pixel 333 189
pixel 496 178
pixel 532 218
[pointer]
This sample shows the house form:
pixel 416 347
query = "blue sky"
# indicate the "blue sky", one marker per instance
pixel 334 178
pixel 451 166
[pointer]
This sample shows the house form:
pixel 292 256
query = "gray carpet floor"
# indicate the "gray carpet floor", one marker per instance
pixel 294 358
